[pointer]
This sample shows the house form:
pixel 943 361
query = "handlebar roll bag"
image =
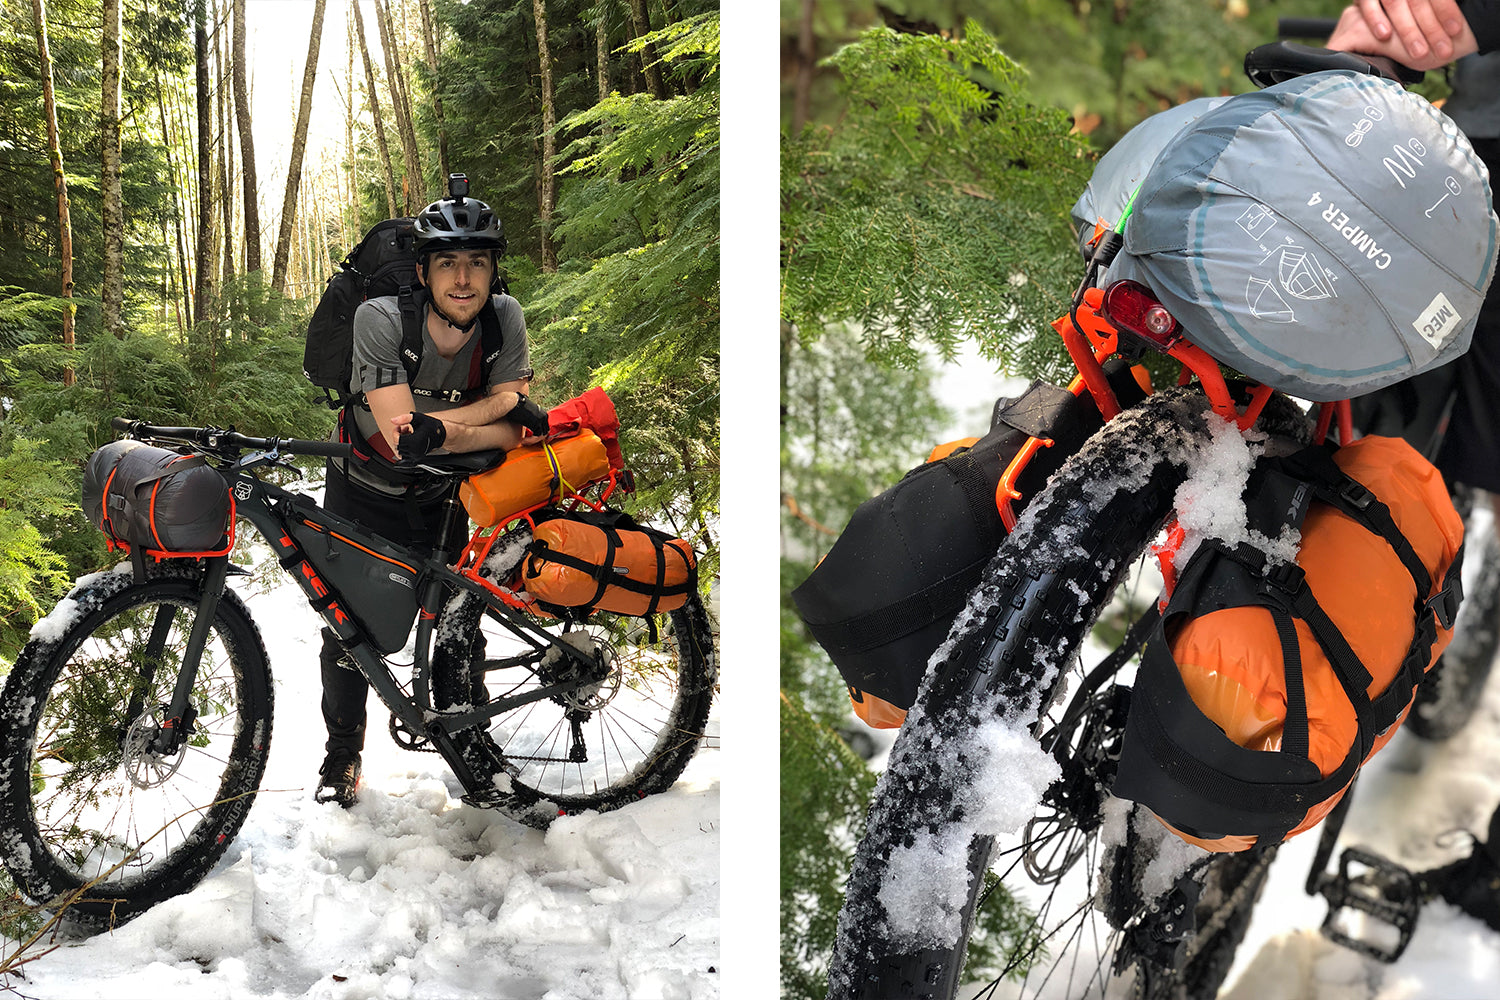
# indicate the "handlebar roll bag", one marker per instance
pixel 143 495
pixel 1326 236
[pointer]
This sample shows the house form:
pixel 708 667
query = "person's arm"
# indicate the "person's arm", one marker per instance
pixel 476 426
pixel 1422 34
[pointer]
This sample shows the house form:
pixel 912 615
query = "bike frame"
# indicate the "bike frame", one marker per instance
pixel 270 510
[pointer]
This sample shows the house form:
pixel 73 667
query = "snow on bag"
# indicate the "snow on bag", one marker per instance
pixel 1327 236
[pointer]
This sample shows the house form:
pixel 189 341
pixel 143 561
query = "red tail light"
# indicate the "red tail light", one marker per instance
pixel 1131 306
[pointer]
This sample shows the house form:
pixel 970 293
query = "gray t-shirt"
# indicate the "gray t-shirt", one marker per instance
pixel 377 363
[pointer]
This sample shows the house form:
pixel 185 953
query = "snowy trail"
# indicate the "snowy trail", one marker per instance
pixel 412 894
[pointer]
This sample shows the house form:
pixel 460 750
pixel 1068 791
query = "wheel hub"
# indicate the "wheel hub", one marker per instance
pixel 144 766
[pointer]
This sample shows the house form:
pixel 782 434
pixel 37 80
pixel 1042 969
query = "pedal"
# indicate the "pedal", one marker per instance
pixel 1384 895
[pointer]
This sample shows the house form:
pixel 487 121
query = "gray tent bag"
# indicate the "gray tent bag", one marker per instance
pixel 1326 236
pixel 1120 170
pixel 156 498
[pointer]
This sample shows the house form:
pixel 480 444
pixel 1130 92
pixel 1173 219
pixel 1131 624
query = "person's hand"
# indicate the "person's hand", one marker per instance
pixel 418 435
pixel 1423 26
pixel 1367 28
pixel 529 415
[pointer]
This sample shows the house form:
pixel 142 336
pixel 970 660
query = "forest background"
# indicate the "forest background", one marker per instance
pixel 151 265
pixel 931 150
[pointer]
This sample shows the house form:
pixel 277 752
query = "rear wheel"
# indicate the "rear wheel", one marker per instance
pixel 88 803
pixel 1449 695
pixel 1008 757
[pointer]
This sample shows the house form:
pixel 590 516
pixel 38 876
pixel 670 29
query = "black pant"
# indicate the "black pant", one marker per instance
pixel 416 526
pixel 1471 450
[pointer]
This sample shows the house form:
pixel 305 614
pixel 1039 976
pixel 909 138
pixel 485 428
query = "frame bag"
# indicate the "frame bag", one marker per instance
pixel 883 598
pixel 138 494
pixel 1265 686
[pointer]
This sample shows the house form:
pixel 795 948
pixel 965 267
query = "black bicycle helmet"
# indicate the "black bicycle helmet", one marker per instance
pixel 457 222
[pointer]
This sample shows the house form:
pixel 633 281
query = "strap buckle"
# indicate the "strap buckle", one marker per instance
pixel 1444 604
pixel 1354 493
pixel 1286 577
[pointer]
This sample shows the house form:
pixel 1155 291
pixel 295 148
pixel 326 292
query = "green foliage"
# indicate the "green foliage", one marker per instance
pixel 824 791
pixel 634 307
pixel 937 209
pixel 850 429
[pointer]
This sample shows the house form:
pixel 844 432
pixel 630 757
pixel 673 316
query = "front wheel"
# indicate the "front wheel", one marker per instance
pixel 87 805
pixel 1007 759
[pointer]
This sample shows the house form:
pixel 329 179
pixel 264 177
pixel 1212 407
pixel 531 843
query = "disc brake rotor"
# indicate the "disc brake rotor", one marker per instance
pixel 143 766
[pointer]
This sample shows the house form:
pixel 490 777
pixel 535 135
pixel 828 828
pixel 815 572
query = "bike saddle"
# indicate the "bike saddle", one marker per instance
pixel 459 464
pixel 1277 62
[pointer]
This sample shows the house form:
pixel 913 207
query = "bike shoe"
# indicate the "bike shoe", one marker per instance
pixel 339 778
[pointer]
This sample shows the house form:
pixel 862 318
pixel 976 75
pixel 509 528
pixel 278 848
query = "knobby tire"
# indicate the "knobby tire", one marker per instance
pixel 79 795
pixel 1005 661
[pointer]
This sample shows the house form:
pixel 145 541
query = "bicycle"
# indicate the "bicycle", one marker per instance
pixel 135 725
pixel 1019 721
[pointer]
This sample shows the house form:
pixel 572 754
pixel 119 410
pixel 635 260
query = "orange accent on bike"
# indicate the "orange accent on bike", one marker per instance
pixel 1006 492
pixel 877 713
pixel 349 541
pixel 161 555
pixel 1166 557
pixel 1098 340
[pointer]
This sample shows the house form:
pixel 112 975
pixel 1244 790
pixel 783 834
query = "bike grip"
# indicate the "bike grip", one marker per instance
pixel 122 424
pixel 1305 27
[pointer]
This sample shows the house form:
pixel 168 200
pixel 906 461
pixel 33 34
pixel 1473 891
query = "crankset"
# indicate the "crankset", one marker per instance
pixel 408 738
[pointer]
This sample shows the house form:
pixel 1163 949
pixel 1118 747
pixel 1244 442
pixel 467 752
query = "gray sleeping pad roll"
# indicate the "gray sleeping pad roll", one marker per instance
pixel 1327 236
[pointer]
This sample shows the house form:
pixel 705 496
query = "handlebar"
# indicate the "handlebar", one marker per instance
pixel 222 441
pixel 1277 62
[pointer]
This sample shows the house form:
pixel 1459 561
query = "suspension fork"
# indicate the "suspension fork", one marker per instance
pixel 180 712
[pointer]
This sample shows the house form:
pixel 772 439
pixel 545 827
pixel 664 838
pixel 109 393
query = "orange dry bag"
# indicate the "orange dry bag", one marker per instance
pixel 533 474
pixel 1266 686
pixel 583 561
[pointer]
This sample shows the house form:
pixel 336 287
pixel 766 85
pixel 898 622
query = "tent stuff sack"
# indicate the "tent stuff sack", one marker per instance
pixel 159 499
pixel 533 474
pixel 883 598
pixel 1267 684
pixel 1326 236
pixel 584 561
pixel 374 580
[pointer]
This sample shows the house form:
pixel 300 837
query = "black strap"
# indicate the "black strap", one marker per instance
pixel 1294 736
pixel 412 303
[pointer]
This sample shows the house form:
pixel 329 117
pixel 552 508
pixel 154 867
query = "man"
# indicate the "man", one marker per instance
pixel 1426 34
pixel 455 403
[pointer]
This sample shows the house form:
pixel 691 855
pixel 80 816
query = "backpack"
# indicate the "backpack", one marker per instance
pixel 384 263
pixel 1265 686
pixel 883 598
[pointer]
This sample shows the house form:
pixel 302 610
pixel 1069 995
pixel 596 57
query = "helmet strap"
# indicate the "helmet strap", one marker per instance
pixel 464 329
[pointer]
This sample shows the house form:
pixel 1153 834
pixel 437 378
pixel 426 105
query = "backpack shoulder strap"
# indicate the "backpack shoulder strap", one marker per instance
pixel 491 339
pixel 411 301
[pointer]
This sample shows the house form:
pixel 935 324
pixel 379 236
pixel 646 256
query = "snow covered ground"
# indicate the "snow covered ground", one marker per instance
pixel 412 894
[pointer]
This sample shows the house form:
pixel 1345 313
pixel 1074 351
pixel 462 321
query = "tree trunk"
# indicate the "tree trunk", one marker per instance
pixel 412 188
pixel 429 35
pixel 170 143
pixel 380 143
pixel 64 224
pixel 111 211
pixel 299 145
pixel 601 52
pixel 247 143
pixel 351 178
pixel 225 151
pixel 806 57
pixel 204 253
pixel 547 184
pixel 640 24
